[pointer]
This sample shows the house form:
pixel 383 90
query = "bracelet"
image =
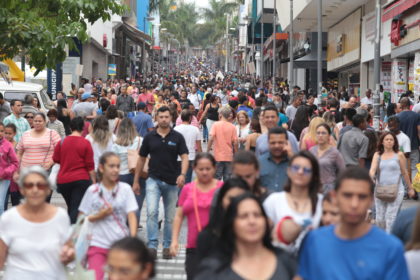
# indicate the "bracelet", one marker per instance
pixel 279 232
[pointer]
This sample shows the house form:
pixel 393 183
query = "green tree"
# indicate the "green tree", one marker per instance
pixel 41 29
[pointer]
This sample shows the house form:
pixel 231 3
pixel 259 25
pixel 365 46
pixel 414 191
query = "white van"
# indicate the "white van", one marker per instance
pixel 18 90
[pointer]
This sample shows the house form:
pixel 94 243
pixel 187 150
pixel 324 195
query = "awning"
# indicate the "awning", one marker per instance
pixel 398 8
pixel 310 60
pixel 135 34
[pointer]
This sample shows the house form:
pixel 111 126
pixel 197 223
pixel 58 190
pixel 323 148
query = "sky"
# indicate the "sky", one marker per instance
pixel 199 3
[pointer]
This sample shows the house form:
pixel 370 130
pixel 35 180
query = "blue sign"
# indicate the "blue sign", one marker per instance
pixel 54 81
pixel 112 69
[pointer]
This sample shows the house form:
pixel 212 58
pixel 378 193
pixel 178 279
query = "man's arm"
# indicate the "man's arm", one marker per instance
pixel 139 168
pixel 210 144
pixel 180 181
pixel 198 145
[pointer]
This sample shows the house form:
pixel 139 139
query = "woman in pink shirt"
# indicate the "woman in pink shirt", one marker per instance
pixel 194 203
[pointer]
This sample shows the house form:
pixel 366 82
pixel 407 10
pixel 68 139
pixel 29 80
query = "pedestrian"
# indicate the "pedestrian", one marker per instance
pixel 330 211
pixel 255 132
pixel 194 203
pixel 100 138
pixel 77 168
pixel 308 140
pixel 29 105
pixel 8 165
pixel 347 123
pixel 274 164
pixel 146 97
pixel 243 101
pixel 4 108
pixel 85 108
pixel 163 145
pixel 54 124
pixel 9 134
pixel 192 138
pixel 353 144
pixel 300 199
pixel 245 249
pixel 34 236
pixel 410 125
pixel 291 109
pixel 142 120
pixel 63 115
pixel 21 123
pixel 129 259
pixel 412 254
pixel 110 206
pixel 125 102
pixel 370 253
pixel 194 120
pixel 330 161
pixel 389 167
pixel 195 98
pixel 300 121
pixel 128 139
pixel 113 121
pixel 223 136
pixel 211 112
pixel 242 128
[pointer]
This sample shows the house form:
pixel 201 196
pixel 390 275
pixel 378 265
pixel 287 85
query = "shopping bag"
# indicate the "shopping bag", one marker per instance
pixel 416 181
pixel 53 175
pixel 82 237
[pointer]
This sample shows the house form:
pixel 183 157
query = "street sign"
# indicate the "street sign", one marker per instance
pixel 112 69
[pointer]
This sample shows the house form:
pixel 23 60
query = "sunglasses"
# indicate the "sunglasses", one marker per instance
pixel 296 168
pixel 29 117
pixel 39 185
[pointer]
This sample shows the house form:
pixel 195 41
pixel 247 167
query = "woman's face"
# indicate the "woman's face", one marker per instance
pixel 388 142
pixel 30 118
pixel 330 214
pixel 241 119
pixel 121 265
pixel 300 172
pixel 35 189
pixel 322 135
pixel 205 170
pixel 9 134
pixel 247 172
pixel 111 169
pixel 250 224
pixel 39 123
pixel 233 192
pixel 52 118
pixel 35 103
pixel 60 96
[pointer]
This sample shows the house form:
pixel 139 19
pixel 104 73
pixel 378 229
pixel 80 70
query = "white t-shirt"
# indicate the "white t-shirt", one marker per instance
pixel 121 151
pixel 195 99
pixel 416 108
pixel 34 248
pixel 413 260
pixel 291 112
pixel 191 135
pixel 277 207
pixel 404 142
pixel 98 151
pixel 114 226
pixel 367 101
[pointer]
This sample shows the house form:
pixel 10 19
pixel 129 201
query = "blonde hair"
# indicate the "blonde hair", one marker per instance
pixel 312 127
pixel 100 132
pixel 242 113
pixel 126 133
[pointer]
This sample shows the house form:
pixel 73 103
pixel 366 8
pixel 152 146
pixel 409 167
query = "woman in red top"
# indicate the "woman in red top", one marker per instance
pixel 77 169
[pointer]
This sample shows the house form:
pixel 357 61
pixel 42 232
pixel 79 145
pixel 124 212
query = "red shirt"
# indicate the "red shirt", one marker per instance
pixel 75 156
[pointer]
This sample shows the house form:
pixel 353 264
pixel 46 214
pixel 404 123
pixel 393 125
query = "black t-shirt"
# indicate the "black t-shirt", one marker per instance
pixel 409 121
pixel 164 153
pixel 184 102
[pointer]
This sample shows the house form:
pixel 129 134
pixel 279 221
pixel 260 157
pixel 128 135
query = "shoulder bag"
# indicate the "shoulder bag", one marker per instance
pixel 133 157
pixel 387 193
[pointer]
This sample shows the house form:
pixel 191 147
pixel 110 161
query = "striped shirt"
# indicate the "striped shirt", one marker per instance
pixel 21 124
pixel 37 150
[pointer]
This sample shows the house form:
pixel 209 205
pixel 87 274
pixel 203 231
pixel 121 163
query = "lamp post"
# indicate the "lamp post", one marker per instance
pixel 227 42
pixel 319 59
pixel 262 44
pixel 246 41
pixel 377 67
pixel 274 44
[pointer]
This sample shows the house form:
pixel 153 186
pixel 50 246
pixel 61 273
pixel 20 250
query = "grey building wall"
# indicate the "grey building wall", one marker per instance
pixel 95 62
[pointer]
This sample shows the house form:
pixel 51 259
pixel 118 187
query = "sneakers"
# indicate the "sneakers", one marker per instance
pixel 166 254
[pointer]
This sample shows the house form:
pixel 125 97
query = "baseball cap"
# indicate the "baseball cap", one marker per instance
pixel 86 95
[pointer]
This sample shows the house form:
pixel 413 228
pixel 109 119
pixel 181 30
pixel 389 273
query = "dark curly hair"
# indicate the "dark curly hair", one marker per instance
pixel 396 146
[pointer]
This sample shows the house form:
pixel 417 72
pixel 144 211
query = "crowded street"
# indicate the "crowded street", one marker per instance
pixel 210 140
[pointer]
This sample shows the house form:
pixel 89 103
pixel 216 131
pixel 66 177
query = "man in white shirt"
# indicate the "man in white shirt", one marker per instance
pixel 292 108
pixel 404 141
pixel 192 138
pixel 367 100
pixel 194 98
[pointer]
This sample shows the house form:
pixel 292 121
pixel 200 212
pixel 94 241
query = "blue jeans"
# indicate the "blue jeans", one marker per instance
pixel 223 170
pixel 205 132
pixel 156 188
pixel 4 187
pixel 129 179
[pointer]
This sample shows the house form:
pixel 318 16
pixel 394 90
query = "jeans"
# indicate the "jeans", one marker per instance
pixel 156 189
pixel 205 133
pixel 73 193
pixel 223 170
pixel 188 176
pixel 4 187
pixel 129 179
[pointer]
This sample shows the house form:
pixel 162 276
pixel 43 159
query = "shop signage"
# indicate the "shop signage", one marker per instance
pixel 112 69
pixel 54 81
pixel 399 78
pixel 340 44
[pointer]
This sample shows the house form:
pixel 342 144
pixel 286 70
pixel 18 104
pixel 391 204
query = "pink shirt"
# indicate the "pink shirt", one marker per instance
pixel 186 201
pixel 148 99
pixel 194 121
pixel 224 134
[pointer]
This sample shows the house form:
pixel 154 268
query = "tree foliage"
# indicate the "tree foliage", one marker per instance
pixel 41 29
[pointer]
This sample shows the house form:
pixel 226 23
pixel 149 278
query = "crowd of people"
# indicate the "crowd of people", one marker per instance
pixel 273 182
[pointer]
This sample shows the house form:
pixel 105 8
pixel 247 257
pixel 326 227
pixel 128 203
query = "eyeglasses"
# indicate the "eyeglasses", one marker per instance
pixel 296 168
pixel 39 185
pixel 29 117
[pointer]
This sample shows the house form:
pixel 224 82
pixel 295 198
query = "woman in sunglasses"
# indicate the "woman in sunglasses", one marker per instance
pixel 34 236
pixel 300 202
pixel 30 118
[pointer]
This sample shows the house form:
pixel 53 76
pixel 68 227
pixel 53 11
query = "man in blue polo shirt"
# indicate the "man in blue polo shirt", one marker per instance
pixel 143 121
pixel 352 249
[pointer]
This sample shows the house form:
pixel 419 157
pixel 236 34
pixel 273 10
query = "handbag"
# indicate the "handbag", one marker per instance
pixel 133 157
pixel 387 193
pixel 81 237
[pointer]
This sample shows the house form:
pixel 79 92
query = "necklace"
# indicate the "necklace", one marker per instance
pixel 296 204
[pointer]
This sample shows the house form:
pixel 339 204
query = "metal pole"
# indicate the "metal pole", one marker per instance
pixel 226 55
pixel 262 45
pixel 377 67
pixel 319 62
pixel 246 50
pixel 253 49
pixel 291 47
pixel 274 44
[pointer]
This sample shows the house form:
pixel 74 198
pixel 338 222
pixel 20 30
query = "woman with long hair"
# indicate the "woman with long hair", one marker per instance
pixel 389 167
pixel 251 139
pixel 309 139
pixel 112 115
pixel 330 160
pixel 412 256
pixel 300 121
pixel 63 115
pixel 194 203
pixel 111 207
pixel 101 138
pixel 245 248
pixel 211 112
pixel 300 200
pixel 242 128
